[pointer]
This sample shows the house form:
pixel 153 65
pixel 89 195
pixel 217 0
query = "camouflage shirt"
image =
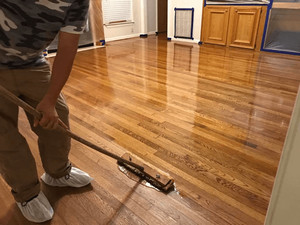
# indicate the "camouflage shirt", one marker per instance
pixel 27 27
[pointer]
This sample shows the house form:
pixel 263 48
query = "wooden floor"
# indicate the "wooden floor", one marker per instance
pixel 214 118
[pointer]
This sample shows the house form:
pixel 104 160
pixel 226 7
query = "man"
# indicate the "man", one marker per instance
pixel 26 29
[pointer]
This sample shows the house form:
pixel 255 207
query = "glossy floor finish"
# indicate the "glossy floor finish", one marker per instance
pixel 214 118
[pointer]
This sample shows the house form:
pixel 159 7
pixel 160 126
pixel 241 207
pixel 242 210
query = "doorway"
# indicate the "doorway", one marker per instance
pixel 162 17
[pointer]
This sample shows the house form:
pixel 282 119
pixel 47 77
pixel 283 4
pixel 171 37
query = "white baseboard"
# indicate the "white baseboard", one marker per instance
pixel 185 40
pixel 127 36
pixel 151 32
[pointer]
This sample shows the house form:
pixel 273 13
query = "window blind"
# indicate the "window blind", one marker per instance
pixel 116 11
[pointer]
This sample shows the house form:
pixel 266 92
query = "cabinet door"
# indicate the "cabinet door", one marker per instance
pixel 215 24
pixel 243 26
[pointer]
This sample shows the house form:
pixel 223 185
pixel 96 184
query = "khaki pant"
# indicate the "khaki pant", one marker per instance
pixel 17 165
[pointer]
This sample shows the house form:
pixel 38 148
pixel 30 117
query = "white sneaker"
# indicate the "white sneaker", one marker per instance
pixel 76 178
pixel 37 210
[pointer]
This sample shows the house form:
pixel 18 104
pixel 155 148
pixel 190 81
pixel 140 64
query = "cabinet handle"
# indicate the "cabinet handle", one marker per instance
pixel 236 10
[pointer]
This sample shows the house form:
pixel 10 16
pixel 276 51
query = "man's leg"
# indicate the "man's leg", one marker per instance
pixel 54 146
pixel 17 164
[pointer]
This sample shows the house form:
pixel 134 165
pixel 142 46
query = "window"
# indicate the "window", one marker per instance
pixel 117 11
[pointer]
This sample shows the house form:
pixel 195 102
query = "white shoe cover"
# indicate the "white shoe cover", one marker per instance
pixel 37 210
pixel 76 178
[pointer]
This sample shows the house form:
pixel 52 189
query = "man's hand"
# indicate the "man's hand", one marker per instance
pixel 49 118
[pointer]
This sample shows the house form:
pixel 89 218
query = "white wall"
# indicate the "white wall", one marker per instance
pixel 285 199
pixel 144 22
pixel 116 32
pixel 197 5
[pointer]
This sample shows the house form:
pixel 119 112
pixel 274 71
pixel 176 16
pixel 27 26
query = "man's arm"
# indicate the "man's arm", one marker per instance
pixel 62 66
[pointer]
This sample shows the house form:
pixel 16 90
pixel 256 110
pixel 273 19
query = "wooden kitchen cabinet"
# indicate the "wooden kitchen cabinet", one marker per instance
pixel 216 24
pixel 243 26
pixel 234 26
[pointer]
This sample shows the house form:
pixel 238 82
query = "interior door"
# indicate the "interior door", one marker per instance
pixel 162 16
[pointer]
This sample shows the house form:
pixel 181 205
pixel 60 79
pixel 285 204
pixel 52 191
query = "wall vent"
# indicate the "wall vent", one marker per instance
pixel 184 21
